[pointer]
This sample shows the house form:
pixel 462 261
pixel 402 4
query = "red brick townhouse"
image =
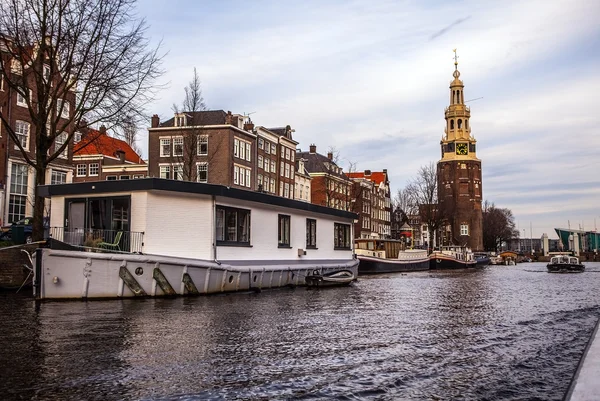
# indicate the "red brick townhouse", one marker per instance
pixel 372 201
pixel 98 157
pixel 329 185
pixel 17 178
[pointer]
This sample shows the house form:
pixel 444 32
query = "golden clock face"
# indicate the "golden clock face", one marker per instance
pixel 462 149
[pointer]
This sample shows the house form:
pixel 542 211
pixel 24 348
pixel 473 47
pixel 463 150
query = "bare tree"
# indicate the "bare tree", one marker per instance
pixel 129 133
pixel 72 61
pixel 498 226
pixel 424 190
pixel 194 143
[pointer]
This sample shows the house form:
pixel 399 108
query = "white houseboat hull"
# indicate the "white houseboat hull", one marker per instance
pixel 88 275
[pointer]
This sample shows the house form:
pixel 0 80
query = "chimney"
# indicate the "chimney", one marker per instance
pixel 229 118
pixel 313 148
pixel 103 129
pixel 155 121
pixel 330 155
pixel 248 126
pixel 367 172
pixel 121 155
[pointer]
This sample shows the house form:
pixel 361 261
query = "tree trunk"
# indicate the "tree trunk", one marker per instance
pixel 38 207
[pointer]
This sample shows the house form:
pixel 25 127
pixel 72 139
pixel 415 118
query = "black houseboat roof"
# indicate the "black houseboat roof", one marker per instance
pixel 161 184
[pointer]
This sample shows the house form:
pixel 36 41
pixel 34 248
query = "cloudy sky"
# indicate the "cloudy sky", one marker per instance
pixel 370 78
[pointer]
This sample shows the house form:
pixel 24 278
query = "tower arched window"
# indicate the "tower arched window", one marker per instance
pixel 453 96
pixel 451 124
pixel 457 97
pixel 459 123
pixel 466 124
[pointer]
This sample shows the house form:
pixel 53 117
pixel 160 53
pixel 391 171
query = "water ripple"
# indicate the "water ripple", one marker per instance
pixel 508 333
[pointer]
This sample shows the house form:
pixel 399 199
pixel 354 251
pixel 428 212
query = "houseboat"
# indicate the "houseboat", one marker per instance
pixel 452 257
pixel 388 256
pixel 165 238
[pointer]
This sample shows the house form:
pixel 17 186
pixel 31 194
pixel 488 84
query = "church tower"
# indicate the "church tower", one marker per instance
pixel 459 173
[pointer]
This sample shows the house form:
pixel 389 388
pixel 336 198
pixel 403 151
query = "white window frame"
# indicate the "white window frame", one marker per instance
pixel 236 175
pixel 202 140
pixel 248 151
pixel 54 174
pixel 267 165
pixel 22 134
pixel 81 170
pixel 21 101
pixel 464 229
pixel 202 167
pixel 165 143
pixel 164 171
pixel 273 169
pixel 178 172
pixel 66 108
pixel 58 142
pixel 94 166
pixel 177 147
pixel 260 161
pixel 248 177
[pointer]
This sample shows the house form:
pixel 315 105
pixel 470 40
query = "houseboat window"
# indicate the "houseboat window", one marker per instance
pixel 341 238
pixel 111 178
pixel 233 226
pixel 284 230
pixel 311 233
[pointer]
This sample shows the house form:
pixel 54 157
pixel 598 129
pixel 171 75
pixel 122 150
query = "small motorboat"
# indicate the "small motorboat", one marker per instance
pixel 565 264
pixel 482 259
pixel 330 279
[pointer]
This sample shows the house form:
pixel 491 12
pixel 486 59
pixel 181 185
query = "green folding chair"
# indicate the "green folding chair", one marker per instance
pixel 114 244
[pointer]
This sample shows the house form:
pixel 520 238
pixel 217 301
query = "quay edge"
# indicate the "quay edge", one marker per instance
pixel 585 385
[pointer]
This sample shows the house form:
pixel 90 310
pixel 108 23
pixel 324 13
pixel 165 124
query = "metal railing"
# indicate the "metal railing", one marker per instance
pixel 129 241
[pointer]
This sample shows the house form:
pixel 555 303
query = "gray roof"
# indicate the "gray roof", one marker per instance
pixel 208 117
pixel 317 163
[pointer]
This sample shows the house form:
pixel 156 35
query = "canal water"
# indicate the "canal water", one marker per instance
pixel 501 333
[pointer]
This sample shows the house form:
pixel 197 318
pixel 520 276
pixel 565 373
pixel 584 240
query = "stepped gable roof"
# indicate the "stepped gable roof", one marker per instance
pixel 317 163
pixel 376 176
pixel 95 142
pixel 207 117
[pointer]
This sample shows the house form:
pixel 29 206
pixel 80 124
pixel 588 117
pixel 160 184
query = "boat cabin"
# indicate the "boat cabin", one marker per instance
pixel 197 221
pixel 564 259
pixel 380 248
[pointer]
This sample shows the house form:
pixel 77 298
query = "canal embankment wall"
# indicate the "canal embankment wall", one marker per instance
pixel 15 266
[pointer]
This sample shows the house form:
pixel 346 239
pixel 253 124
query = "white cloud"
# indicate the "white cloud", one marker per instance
pixel 347 73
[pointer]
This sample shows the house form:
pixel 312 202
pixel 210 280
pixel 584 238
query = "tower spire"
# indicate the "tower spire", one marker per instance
pixel 455 60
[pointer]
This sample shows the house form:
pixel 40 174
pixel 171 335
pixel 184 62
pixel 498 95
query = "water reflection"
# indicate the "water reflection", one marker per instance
pixel 501 333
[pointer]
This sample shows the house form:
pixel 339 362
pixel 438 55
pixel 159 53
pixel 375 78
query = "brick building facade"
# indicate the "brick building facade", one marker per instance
pixel 329 185
pixel 17 177
pixel 371 199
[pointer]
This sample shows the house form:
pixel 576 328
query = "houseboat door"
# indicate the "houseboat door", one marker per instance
pixel 75 222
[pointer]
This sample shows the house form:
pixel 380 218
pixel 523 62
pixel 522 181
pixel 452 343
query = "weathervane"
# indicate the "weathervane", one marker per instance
pixel 455 59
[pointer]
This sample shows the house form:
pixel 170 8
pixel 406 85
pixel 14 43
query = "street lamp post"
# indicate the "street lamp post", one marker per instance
pixel 524 244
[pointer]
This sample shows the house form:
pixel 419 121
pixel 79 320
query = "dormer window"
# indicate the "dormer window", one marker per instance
pixel 180 120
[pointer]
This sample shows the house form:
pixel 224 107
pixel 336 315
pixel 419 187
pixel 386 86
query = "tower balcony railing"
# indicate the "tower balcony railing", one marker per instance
pixel 126 241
